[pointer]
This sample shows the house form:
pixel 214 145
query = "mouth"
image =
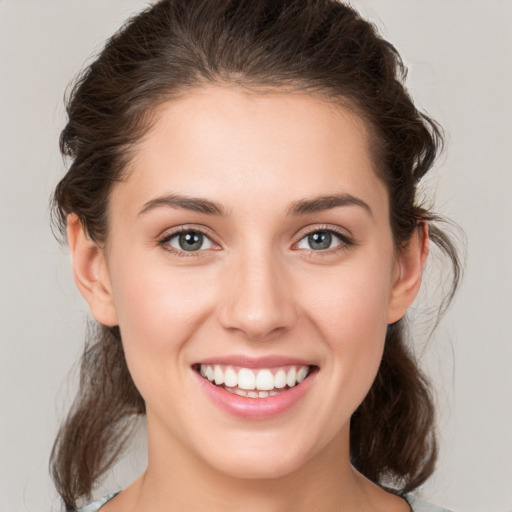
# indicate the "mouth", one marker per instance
pixel 255 383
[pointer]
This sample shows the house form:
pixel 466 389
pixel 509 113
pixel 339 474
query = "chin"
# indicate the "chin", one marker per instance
pixel 243 466
pixel 261 456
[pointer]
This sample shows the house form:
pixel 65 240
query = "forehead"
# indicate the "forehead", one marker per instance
pixel 230 143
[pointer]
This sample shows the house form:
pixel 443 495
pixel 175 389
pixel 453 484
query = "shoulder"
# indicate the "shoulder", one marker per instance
pixel 96 505
pixel 418 505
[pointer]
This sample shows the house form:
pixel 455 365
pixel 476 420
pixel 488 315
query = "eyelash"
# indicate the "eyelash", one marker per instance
pixel 345 241
pixel 164 241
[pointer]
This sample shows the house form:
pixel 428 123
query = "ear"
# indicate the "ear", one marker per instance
pixel 410 264
pixel 91 273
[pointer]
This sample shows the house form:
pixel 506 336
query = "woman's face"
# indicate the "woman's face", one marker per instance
pixel 250 243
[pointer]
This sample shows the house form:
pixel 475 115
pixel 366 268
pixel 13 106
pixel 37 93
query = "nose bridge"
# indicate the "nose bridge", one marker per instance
pixel 259 299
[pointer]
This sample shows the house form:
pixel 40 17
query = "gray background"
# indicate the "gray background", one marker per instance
pixel 459 57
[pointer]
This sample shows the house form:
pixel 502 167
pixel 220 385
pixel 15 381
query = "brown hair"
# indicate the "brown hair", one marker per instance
pixel 321 47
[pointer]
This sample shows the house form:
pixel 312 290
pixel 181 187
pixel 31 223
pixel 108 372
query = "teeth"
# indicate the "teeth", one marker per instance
pixel 230 377
pixel 252 382
pixel 246 379
pixel 265 380
pixel 218 375
pixel 280 379
pixel 291 377
pixel 302 374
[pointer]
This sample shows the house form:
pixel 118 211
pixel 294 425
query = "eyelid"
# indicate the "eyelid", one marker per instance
pixel 170 233
pixel 346 240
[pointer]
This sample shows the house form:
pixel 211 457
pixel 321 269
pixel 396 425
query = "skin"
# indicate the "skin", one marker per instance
pixel 258 288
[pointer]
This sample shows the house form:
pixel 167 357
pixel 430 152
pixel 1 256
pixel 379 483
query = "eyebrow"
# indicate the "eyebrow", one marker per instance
pixel 195 204
pixel 322 203
pixel 301 207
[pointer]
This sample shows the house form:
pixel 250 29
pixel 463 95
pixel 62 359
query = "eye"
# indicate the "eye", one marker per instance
pixel 322 240
pixel 189 240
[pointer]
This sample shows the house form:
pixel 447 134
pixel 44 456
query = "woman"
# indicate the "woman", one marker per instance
pixel 241 211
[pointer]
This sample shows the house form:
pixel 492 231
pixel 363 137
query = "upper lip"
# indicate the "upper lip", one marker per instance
pixel 269 361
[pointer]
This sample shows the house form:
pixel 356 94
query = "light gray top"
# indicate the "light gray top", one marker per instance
pixel 416 504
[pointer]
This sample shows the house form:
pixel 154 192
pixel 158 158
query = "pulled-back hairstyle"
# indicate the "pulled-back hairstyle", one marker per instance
pixel 320 47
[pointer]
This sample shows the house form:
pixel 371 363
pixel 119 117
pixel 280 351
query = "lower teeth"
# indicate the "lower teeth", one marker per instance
pixel 254 394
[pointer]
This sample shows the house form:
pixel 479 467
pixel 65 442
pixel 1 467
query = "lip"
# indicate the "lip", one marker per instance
pixel 255 362
pixel 255 408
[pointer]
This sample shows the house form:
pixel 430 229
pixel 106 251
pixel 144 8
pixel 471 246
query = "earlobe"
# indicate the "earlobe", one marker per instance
pixel 91 273
pixel 410 264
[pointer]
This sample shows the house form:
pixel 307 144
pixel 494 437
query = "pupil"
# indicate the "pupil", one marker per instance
pixel 191 241
pixel 320 240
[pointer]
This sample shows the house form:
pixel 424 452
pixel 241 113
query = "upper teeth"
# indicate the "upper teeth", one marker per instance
pixel 260 379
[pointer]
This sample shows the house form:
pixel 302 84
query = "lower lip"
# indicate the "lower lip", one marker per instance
pixel 256 408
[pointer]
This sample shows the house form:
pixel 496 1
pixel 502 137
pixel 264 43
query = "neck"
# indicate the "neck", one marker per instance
pixel 177 479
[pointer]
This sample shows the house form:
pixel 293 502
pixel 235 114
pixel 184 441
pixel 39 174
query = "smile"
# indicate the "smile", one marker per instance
pixel 256 388
pixel 254 382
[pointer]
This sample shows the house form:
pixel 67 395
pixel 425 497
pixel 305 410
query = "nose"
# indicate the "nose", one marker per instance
pixel 258 299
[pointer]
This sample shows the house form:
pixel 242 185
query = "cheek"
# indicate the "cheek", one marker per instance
pixel 355 331
pixel 158 312
pixel 353 299
pixel 155 303
pixel 352 318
